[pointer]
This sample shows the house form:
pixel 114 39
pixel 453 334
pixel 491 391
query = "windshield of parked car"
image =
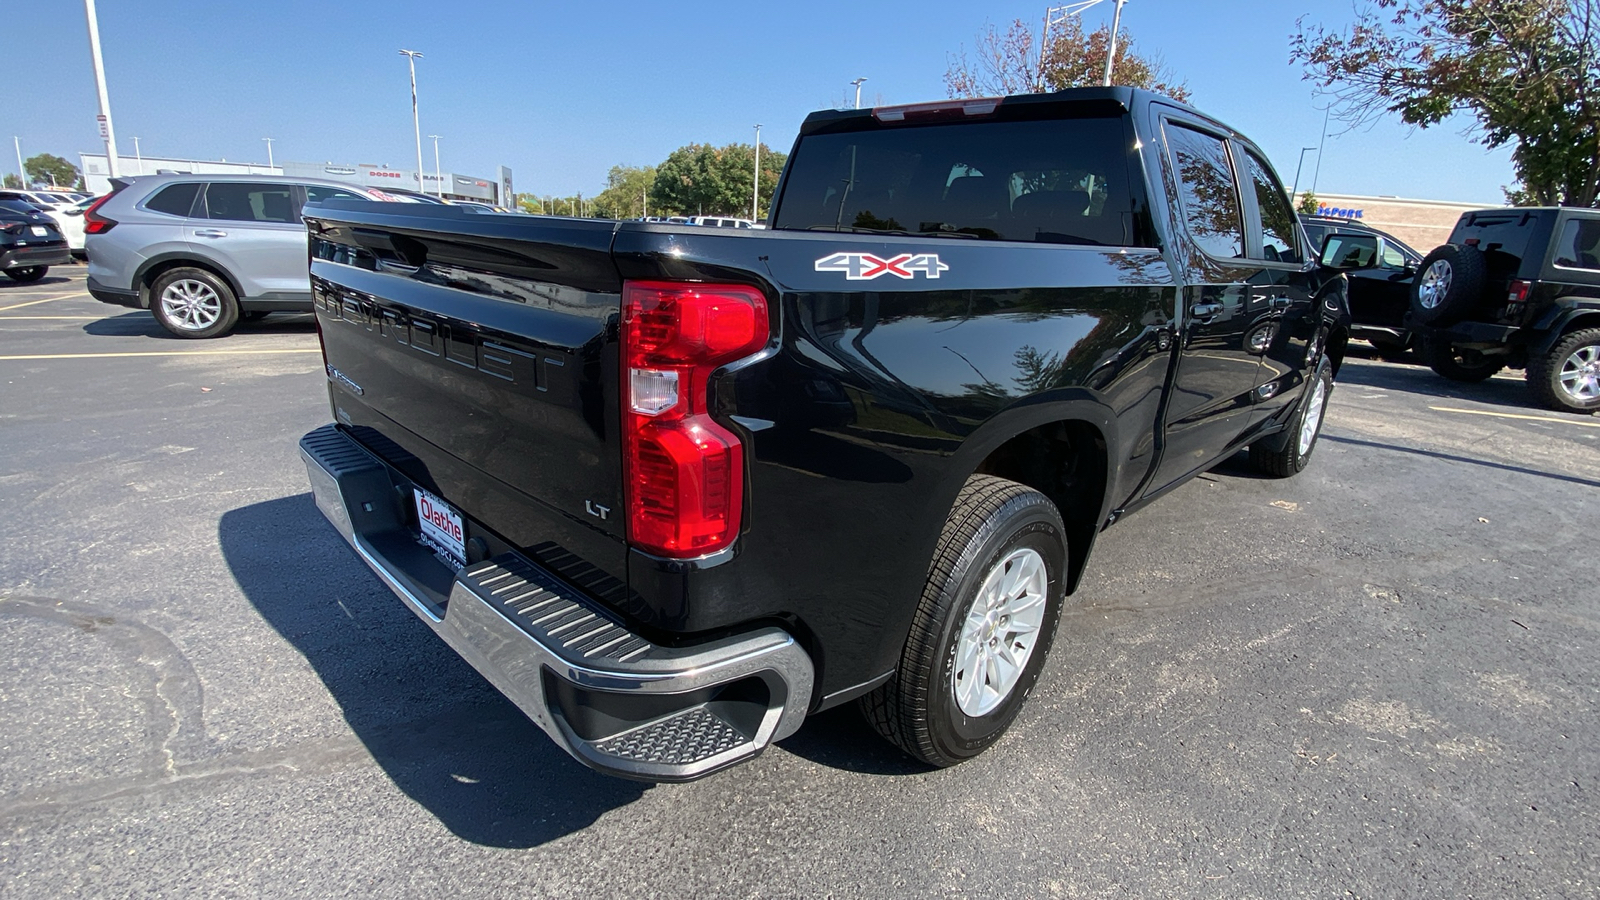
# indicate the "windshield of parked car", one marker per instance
pixel 1062 181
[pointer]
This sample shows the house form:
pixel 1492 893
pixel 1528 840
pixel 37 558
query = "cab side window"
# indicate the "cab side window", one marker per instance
pixel 1208 193
pixel 1278 238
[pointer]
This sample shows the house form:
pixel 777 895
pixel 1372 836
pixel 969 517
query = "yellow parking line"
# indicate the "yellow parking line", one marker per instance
pixel 1501 415
pixel 45 300
pixel 160 353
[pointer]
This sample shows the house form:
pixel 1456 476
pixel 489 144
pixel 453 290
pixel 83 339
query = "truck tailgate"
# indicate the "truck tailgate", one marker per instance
pixel 477 354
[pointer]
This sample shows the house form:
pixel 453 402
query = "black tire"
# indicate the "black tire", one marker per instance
pixel 1449 283
pixel 27 274
pixel 1291 458
pixel 1467 366
pixel 214 321
pixel 1576 355
pixel 1390 349
pixel 917 709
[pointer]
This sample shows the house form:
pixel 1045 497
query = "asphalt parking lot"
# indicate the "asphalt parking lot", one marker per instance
pixel 1378 679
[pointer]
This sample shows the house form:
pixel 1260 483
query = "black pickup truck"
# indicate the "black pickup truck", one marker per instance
pixel 672 489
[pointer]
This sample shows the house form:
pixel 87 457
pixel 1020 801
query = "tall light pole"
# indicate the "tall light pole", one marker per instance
pixel 857 83
pixel 1293 192
pixel 269 152
pixel 137 155
pixel 22 174
pixel 411 59
pixel 106 130
pixel 438 180
pixel 755 189
pixel 1317 176
pixel 1111 52
pixel 1056 14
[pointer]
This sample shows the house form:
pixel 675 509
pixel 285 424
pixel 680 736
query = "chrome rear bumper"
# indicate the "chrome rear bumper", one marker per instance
pixel 616 701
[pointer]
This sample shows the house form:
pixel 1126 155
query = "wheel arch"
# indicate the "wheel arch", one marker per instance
pixel 1059 445
pixel 147 273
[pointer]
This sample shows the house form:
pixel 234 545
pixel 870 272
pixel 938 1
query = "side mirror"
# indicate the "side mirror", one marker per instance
pixel 72 212
pixel 1347 252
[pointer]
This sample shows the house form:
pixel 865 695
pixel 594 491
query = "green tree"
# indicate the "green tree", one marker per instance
pixel 12 181
pixel 47 168
pixel 699 179
pixel 1309 204
pixel 1526 71
pixel 626 194
pixel 1010 62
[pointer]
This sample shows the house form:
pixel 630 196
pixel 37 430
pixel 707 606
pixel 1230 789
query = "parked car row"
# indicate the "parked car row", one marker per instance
pixel 30 242
pixel 1512 287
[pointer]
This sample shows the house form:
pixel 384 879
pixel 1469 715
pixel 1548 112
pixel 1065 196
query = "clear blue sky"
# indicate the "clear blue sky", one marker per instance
pixel 561 91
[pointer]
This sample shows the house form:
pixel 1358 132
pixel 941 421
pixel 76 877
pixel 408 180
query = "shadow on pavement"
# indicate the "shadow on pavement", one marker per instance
pixel 447 738
pixel 1420 380
pixel 140 323
pixel 53 282
pixel 1520 470
pixel 841 739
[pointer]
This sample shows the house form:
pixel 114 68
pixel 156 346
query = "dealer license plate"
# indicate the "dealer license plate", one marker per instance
pixel 39 231
pixel 441 527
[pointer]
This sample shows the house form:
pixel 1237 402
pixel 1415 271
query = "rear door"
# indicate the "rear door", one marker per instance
pixel 1211 401
pixel 254 230
pixel 1284 320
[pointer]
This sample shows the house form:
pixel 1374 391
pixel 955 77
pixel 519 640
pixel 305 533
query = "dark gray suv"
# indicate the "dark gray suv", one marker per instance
pixel 203 251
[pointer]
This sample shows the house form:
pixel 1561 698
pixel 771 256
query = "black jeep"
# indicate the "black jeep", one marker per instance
pixel 1519 288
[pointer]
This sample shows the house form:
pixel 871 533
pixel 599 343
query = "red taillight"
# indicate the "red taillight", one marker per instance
pixel 1518 292
pixel 94 223
pixel 685 472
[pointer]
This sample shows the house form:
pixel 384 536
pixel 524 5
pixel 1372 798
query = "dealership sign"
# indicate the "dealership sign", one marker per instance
pixel 1339 213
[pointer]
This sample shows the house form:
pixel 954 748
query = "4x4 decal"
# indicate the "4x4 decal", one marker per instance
pixel 865 266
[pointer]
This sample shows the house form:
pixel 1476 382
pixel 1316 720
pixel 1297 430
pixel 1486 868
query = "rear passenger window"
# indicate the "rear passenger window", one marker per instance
pixel 1210 197
pixel 174 199
pixel 246 202
pixel 1278 238
pixel 1579 247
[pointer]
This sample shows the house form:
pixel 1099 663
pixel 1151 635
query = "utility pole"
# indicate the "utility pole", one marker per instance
pixel 644 203
pixel 1111 51
pixel 22 174
pixel 755 190
pixel 1295 191
pixel 140 156
pixel 1321 144
pixel 438 179
pixel 411 59
pixel 857 83
pixel 269 152
pixel 107 132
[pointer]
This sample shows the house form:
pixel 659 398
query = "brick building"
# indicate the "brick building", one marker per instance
pixel 1424 224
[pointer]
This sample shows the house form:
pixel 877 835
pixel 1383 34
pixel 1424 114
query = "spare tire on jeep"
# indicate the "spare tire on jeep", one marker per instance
pixel 1448 284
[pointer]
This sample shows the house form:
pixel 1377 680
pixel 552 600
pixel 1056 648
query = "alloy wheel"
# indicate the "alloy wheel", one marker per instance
pixel 1000 632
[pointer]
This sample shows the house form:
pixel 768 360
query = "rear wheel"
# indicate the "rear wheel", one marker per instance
pixel 1568 377
pixel 27 274
pixel 1458 364
pixel 984 626
pixel 194 303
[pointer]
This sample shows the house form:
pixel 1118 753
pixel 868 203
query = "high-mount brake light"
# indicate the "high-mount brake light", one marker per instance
pixel 684 472
pixel 939 109
pixel 93 222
